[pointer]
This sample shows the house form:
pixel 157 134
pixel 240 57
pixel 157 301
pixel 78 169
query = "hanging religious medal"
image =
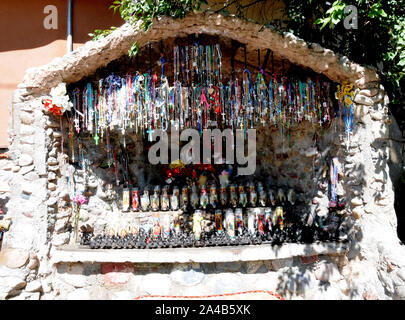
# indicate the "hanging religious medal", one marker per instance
pixel 197 224
pixel 230 223
pixel 135 199
pixel 174 199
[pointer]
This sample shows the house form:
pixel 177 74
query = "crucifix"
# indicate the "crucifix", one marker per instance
pixel 96 138
pixel 175 123
pixel 77 124
pixel 150 133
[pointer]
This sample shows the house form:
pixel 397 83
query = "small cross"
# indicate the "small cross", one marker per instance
pixel 223 116
pixel 150 133
pixel 77 127
pixel 96 138
pixel 175 123
pixel 320 122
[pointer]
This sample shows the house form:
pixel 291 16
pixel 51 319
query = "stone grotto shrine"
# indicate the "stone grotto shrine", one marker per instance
pixel 87 215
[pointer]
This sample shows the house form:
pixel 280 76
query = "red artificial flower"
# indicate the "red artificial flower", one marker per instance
pixel 52 108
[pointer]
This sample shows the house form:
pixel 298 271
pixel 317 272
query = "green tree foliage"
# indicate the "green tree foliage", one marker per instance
pixel 379 39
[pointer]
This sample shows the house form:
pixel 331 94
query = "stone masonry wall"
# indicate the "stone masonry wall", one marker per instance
pixel 36 198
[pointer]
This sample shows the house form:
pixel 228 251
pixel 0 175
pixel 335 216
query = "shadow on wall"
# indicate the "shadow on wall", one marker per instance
pixel 399 205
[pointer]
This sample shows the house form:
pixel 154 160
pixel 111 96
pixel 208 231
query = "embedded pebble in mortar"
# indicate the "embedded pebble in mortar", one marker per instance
pixel 28 188
pixel 52 186
pixel 363 100
pixel 51 176
pixel 57 134
pixel 27 118
pixel 356 202
pixel 25 160
pixel 376 116
pixel 357 212
pixel 52 161
pixel 25 170
pixel 33 286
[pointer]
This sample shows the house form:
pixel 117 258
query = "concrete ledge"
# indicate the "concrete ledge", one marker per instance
pixel 201 255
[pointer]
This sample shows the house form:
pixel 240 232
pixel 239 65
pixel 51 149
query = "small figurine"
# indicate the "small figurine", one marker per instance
pixel 154 199
pixel 281 195
pixel 165 230
pixel 176 223
pixel 204 197
pixel 125 200
pixel 260 223
pixel 164 199
pixel 291 196
pixel 184 198
pixel 239 220
pixel 223 196
pixel 213 196
pixel 252 195
pixel 267 219
pixel 230 223
pixel 272 197
pixel 262 195
pixel 251 221
pixel 242 196
pixel 218 220
pixel 197 224
pixel 156 226
pixel 145 202
pixel 135 199
pixel 280 215
pixel 194 199
pixel 233 196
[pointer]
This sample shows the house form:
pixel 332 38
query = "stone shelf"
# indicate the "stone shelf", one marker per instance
pixel 200 255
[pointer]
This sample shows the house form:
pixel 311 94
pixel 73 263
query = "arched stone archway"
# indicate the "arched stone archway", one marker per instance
pixel 371 267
